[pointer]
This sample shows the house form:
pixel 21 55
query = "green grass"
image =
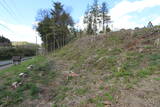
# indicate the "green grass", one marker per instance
pixel 143 73
pixel 158 79
pixel 109 55
pixel 81 91
pixel 101 52
pixel 154 59
pixel 97 65
pixel 29 88
pixel 22 67
pixel 98 100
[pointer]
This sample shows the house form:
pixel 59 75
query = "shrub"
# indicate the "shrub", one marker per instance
pixel 7 53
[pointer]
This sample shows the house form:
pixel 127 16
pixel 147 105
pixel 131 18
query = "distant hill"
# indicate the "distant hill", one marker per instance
pixel 22 43
pixel 25 44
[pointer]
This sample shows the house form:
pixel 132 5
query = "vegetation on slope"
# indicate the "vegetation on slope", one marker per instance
pixel 108 64
pixel 29 88
pixel 103 66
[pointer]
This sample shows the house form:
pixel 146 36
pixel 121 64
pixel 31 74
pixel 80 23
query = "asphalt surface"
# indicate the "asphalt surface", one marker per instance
pixel 5 66
pixel 8 63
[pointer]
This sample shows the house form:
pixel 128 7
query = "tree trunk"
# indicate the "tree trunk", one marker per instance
pixel 103 24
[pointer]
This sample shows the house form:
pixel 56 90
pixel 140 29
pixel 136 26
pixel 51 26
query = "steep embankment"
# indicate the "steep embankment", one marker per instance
pixel 120 69
pixel 111 69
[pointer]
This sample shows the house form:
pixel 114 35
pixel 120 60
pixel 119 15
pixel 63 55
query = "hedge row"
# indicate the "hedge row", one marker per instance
pixel 7 53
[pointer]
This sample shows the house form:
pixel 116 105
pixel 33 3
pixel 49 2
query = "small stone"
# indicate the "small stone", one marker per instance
pixel 15 85
pixel 30 67
pixel 140 50
pixel 19 84
pixel 66 73
pixel 101 81
pixel 157 42
pixel 107 103
pixel 70 74
pixel 109 49
pixel 119 69
pixel 73 74
pixel 22 75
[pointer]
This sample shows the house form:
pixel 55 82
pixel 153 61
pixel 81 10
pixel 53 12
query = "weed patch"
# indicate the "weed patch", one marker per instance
pixel 81 91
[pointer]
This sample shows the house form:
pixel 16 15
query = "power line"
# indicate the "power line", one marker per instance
pixel 13 9
pixel 14 6
pixel 8 11
pixel 6 28
pixel 4 1
pixel 5 8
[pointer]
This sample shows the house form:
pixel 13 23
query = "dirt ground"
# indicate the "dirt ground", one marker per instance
pixel 145 94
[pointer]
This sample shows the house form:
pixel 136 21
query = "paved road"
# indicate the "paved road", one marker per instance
pixel 8 63
pixel 2 63
pixel 5 66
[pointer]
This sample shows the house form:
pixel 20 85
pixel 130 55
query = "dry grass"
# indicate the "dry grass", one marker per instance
pixel 108 68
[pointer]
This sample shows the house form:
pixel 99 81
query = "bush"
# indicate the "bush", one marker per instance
pixel 7 53
pixel 108 29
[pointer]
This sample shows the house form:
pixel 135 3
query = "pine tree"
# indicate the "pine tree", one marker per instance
pixel 53 27
pixel 95 14
pixel 91 17
pixel 150 25
pixel 104 16
pixel 88 20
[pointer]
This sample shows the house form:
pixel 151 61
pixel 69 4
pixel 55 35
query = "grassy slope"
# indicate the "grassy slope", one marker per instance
pixel 30 88
pixel 106 64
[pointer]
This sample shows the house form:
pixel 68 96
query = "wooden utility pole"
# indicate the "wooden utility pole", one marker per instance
pixel 36 46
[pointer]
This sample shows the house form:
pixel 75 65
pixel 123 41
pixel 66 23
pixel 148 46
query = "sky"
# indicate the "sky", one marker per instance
pixel 17 17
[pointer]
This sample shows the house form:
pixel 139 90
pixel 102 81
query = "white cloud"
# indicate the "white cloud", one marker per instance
pixel 119 13
pixel 19 32
pixel 124 22
pixel 125 7
pixel 156 21
pixel 121 17
pixel 80 24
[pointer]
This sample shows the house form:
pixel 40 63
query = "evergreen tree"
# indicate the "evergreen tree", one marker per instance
pixel 91 18
pixel 150 25
pixel 104 16
pixel 44 29
pixel 88 20
pixel 53 27
pixel 95 14
pixel 5 41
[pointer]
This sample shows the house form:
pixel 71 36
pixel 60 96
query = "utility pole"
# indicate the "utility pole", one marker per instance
pixel 36 46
